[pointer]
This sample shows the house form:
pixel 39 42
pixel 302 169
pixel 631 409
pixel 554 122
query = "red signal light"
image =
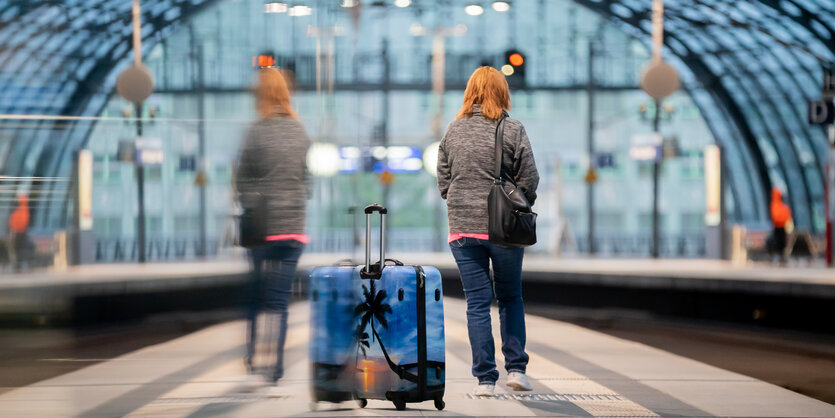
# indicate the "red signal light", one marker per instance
pixel 263 61
pixel 516 59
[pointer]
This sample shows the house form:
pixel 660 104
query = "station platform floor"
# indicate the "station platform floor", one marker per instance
pixel 575 372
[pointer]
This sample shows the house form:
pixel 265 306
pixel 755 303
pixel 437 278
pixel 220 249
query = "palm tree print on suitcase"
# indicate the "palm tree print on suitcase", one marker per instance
pixel 396 315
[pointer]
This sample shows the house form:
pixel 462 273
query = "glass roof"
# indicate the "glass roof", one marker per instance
pixel 750 65
pixel 758 63
pixel 55 61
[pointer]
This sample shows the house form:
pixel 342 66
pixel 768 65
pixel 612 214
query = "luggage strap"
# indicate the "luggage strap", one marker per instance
pixel 421 328
pixel 401 371
pixel 396 368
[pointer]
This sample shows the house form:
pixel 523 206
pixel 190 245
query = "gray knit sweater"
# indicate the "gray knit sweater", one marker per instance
pixel 465 168
pixel 273 162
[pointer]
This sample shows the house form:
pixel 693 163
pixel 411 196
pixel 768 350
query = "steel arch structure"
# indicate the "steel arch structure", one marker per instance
pixel 749 66
pixel 61 58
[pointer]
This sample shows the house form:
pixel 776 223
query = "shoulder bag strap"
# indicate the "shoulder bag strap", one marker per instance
pixel 499 149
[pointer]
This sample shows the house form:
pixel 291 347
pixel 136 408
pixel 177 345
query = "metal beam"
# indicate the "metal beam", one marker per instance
pixel 708 81
pixel 375 87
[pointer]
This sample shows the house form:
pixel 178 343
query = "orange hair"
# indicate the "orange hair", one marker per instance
pixel 272 94
pixel 487 87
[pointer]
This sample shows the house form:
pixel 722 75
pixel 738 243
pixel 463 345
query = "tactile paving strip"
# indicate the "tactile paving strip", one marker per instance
pixel 614 409
pixel 598 405
pixel 561 397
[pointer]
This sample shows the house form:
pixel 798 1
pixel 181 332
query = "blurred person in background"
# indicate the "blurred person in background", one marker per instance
pixel 18 225
pixel 465 177
pixel 273 164
pixel 781 216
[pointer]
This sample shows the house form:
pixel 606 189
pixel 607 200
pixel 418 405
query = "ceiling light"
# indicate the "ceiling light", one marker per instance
pixel 300 11
pixel 501 6
pixel 474 10
pixel 275 8
pixel 402 3
pixel 350 3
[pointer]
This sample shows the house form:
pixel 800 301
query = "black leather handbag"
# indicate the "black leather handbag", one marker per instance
pixel 511 220
pixel 252 224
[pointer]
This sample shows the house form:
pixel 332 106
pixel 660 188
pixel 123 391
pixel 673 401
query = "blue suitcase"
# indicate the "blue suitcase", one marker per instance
pixel 332 326
pixel 399 318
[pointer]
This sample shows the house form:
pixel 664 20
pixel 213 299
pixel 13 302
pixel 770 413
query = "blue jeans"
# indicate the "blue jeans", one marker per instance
pixel 473 258
pixel 273 269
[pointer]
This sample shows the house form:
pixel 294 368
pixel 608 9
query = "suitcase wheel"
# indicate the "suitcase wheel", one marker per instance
pixel 399 404
pixel 439 404
pixel 362 402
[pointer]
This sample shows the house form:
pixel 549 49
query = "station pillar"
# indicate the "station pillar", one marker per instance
pixel 82 242
pixel 716 237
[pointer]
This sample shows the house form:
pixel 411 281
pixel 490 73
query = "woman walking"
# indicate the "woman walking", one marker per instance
pixel 273 168
pixel 465 176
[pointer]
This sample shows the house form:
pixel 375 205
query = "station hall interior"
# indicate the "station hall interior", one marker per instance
pixel 685 209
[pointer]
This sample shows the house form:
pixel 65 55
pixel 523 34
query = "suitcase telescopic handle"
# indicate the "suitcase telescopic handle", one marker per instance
pixel 375 208
pixel 369 210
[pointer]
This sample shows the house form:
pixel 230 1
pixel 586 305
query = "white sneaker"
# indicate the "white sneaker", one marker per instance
pixel 484 389
pixel 518 381
pixel 275 391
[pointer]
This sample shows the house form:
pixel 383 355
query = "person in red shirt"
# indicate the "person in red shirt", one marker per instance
pixel 18 225
pixel 781 214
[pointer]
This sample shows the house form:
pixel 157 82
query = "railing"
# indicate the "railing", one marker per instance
pixel 401 241
pixel 671 246
pixel 336 241
pixel 37 252
pixel 341 243
pixel 110 250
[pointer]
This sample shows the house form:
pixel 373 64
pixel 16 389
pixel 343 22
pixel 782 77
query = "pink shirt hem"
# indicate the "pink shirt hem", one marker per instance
pixel 302 238
pixel 454 236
